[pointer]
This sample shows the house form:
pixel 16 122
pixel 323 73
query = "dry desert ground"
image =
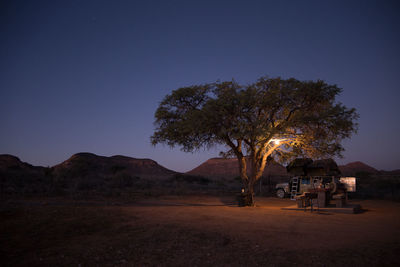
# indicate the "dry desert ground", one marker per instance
pixel 194 231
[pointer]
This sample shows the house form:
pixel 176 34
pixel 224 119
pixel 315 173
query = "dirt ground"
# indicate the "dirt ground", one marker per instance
pixel 194 231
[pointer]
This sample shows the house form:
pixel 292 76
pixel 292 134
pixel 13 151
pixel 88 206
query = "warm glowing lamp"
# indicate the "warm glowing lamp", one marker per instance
pixel 276 141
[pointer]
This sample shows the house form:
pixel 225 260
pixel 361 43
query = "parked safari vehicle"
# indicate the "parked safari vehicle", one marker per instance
pixel 309 175
pixel 300 184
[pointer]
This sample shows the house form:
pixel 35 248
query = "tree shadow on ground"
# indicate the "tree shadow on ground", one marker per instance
pixel 229 201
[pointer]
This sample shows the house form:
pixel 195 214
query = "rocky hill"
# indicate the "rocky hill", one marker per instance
pixel 351 169
pixel 90 172
pixel 393 172
pixel 220 167
pixel 85 173
pixel 88 163
pixel 10 162
pixel 81 172
pixel 229 168
pixel 18 176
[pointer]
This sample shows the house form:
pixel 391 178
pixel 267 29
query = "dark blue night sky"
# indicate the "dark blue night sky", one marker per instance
pixel 88 75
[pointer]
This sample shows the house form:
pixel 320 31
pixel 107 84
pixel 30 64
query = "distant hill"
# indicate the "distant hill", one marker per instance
pixel 351 169
pixel 18 176
pixel 87 172
pixel 81 172
pixel 10 162
pixel 91 164
pixel 85 163
pixel 393 172
pixel 220 167
pixel 229 168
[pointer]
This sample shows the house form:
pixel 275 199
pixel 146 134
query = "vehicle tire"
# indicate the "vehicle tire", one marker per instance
pixel 280 193
pixel 333 187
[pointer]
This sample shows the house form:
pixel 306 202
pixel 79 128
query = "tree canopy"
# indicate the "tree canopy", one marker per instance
pixel 271 118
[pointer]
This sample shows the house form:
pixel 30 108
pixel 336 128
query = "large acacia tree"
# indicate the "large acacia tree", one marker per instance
pixel 271 118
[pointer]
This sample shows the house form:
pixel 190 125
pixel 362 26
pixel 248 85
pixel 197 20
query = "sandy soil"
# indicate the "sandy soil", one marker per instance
pixel 195 231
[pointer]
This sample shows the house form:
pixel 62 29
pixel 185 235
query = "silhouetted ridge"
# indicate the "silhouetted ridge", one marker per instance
pixel 229 168
pixel 10 161
pixel 100 165
pixel 352 168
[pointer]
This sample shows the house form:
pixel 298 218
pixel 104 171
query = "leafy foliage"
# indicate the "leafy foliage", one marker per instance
pixel 302 117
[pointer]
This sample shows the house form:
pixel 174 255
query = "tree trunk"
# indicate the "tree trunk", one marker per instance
pixel 250 182
pixel 258 160
pixel 257 168
pixel 247 197
pixel 250 196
